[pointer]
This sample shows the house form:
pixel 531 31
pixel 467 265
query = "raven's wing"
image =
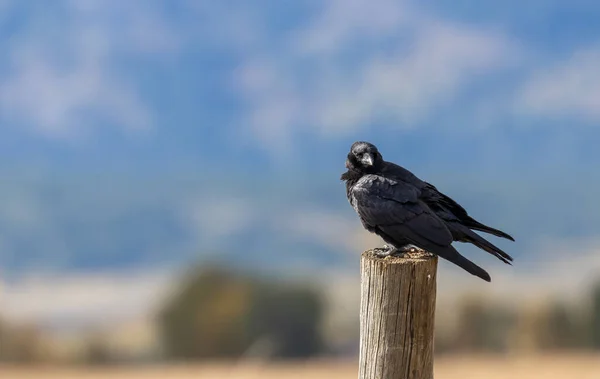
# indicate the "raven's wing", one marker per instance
pixel 395 209
pixel 460 223
pixel 440 203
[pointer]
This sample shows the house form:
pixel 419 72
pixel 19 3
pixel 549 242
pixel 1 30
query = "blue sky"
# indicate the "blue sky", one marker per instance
pixel 154 133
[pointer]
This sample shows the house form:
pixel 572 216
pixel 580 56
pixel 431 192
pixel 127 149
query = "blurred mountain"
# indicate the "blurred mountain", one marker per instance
pixel 87 220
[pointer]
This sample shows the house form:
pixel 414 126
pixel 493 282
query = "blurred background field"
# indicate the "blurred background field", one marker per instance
pixel 170 202
pixel 550 367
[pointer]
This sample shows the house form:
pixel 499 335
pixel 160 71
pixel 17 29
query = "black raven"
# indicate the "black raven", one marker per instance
pixel 406 211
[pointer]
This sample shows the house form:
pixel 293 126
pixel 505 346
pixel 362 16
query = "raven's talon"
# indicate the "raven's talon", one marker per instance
pixel 391 251
pixel 410 249
pixel 384 251
pixel 381 253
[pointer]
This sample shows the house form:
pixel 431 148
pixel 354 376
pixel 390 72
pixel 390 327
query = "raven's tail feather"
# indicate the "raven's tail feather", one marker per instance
pixel 451 254
pixel 462 233
pixel 482 243
pixel 476 225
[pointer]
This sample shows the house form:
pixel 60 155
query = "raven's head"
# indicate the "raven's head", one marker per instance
pixel 363 157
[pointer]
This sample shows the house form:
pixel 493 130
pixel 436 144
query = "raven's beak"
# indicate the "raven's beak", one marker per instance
pixel 367 160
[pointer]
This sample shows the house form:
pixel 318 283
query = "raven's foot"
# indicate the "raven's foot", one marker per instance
pixel 410 249
pixel 391 251
pixel 384 251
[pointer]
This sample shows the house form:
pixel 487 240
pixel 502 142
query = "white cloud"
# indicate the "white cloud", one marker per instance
pixel 407 87
pixel 343 22
pixel 357 62
pixel 63 76
pixel 569 88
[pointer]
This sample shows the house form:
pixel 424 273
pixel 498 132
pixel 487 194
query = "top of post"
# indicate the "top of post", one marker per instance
pixel 417 255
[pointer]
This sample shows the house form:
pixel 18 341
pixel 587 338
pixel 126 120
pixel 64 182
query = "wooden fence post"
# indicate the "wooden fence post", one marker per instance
pixel 397 311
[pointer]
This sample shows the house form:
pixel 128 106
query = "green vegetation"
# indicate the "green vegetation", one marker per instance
pixel 219 313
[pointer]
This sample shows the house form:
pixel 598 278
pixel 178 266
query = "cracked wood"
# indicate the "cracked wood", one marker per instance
pixel 397 316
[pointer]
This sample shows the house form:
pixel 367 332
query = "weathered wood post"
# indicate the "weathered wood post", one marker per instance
pixel 397 311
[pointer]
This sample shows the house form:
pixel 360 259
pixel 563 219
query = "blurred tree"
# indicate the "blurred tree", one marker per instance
pixel 3 340
pixel 221 313
pixel 20 344
pixel 290 318
pixel 559 329
pixel 483 327
pixel 206 317
pixel 97 352
pixel 594 326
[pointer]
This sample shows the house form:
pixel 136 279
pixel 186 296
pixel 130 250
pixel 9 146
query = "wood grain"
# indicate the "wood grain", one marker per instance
pixel 397 316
